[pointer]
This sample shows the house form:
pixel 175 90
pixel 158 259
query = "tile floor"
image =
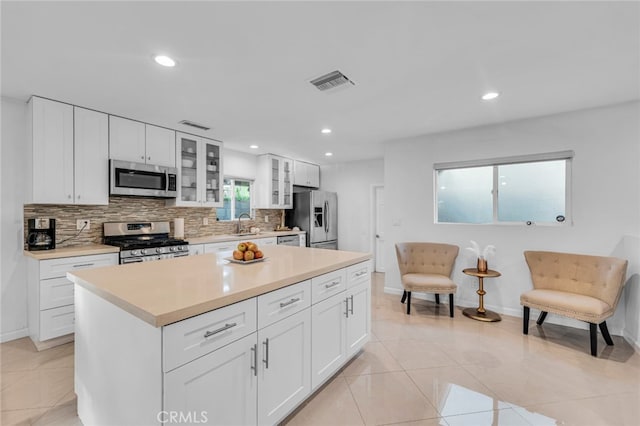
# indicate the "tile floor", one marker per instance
pixel 425 369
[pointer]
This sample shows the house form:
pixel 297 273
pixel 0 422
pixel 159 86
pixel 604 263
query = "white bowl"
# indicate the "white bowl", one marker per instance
pixel 187 163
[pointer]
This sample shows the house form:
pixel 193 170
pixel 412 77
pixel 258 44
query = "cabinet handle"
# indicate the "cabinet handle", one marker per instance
pixel 69 196
pixel 142 157
pixel 148 158
pixel 283 304
pixel 361 273
pixel 346 303
pixel 254 365
pixel 351 304
pixel 333 284
pixel 265 360
pixel 82 265
pixel 220 330
pixel 78 197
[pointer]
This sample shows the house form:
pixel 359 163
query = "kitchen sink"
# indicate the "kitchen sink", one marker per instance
pixel 243 234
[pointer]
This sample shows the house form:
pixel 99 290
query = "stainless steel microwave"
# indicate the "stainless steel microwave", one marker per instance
pixel 127 178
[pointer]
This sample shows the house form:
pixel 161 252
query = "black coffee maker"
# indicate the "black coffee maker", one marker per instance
pixel 41 234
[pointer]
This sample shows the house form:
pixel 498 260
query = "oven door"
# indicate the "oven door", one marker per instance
pixel 127 178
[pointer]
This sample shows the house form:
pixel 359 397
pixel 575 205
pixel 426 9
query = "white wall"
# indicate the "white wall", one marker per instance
pixel 353 182
pixel 606 198
pixel 13 271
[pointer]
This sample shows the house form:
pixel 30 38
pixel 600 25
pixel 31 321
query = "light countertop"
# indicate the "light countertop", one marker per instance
pixel 225 238
pixel 84 250
pixel 171 290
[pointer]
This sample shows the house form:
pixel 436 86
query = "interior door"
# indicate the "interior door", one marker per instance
pixel 318 231
pixel 379 231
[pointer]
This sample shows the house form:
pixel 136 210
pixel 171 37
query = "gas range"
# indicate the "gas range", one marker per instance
pixel 144 241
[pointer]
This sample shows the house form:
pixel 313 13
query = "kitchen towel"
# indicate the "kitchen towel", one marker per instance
pixel 178 227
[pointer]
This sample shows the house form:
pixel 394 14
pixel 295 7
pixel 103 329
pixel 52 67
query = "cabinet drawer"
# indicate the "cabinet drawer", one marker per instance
pixel 271 241
pixel 327 285
pixel 224 249
pixel 57 322
pixel 55 292
pixel 358 274
pixel 191 338
pixel 282 303
pixel 54 268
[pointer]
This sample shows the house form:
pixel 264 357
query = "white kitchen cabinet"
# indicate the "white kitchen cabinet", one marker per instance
pixel 65 169
pixel 328 320
pixel 358 300
pixel 91 153
pixel 303 240
pixel 200 172
pixel 224 249
pixel 134 141
pixel 50 294
pixel 195 249
pixel 306 174
pixel 218 388
pixel 274 182
pixel 269 241
pixel 284 356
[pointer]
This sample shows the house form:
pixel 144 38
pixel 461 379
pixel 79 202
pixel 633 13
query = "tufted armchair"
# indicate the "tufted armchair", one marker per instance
pixel 426 268
pixel 582 287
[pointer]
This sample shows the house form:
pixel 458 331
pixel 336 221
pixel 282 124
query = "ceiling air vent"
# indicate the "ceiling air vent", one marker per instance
pixel 196 125
pixel 331 80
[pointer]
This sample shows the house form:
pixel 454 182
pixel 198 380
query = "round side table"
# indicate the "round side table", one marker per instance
pixel 480 313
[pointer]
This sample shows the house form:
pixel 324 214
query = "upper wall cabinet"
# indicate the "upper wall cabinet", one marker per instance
pixel 138 142
pixel 306 174
pixel 200 172
pixel 274 182
pixel 64 169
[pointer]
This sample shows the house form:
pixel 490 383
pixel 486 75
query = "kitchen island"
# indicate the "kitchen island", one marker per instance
pixel 200 340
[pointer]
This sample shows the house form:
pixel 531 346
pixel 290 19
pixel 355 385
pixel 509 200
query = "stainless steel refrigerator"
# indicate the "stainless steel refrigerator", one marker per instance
pixel 316 212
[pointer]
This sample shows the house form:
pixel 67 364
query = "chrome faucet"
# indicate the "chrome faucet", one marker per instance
pixel 239 230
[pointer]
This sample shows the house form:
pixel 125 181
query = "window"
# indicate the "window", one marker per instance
pixel 236 196
pixel 527 189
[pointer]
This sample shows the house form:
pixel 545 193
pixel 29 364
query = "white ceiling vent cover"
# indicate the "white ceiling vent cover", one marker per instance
pixel 331 80
pixel 196 125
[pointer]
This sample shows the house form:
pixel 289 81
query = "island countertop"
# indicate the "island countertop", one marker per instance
pixel 171 290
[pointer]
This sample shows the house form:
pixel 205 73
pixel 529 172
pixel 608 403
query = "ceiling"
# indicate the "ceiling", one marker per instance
pixel 244 67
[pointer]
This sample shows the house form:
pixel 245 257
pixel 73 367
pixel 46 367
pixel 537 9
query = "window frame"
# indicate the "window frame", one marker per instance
pixel 252 209
pixel 567 156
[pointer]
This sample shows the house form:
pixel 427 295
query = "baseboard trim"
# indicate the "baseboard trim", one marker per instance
pixel 634 343
pixel 13 335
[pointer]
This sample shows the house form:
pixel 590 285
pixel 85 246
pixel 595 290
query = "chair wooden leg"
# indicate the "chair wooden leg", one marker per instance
pixel 525 320
pixel 408 303
pixel 451 305
pixel 404 296
pixel 541 318
pixel 605 333
pixel 593 333
pixel 437 299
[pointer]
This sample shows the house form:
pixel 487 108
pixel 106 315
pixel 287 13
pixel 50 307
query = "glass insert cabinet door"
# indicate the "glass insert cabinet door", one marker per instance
pixel 200 167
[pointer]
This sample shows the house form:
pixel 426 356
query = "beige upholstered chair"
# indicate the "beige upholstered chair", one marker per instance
pixel 577 286
pixel 426 268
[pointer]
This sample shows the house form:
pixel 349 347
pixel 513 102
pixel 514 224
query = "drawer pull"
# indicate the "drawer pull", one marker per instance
pixel 361 273
pixel 333 284
pixel 220 330
pixel 346 302
pixel 83 265
pixel 294 300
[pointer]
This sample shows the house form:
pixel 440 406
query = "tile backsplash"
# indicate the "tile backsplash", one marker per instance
pixel 123 209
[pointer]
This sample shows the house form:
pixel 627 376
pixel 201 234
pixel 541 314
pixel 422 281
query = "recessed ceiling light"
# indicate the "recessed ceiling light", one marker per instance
pixel 254 146
pixel 165 61
pixel 326 131
pixel 328 154
pixel 490 95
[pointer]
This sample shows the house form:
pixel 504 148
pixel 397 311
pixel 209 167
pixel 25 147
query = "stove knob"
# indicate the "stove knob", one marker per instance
pixel 159 250
pixel 172 249
pixel 143 251
pixel 180 248
pixel 135 252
